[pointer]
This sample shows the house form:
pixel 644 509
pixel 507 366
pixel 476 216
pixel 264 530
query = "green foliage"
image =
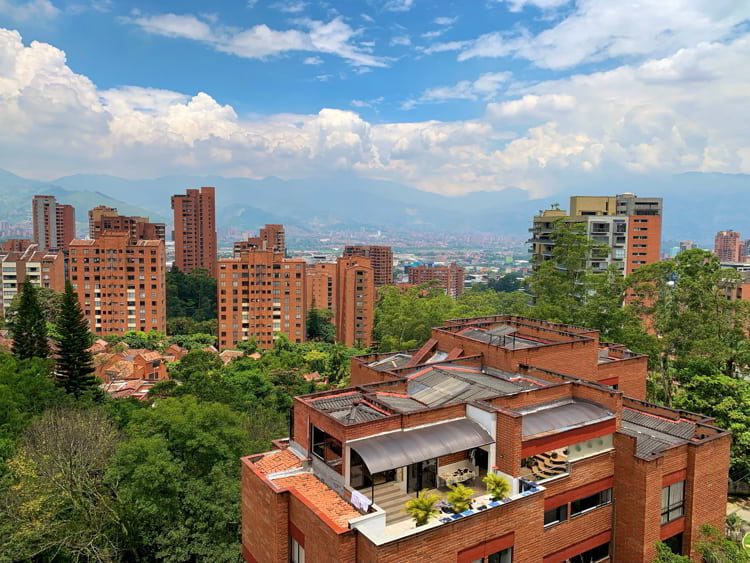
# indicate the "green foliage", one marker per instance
pixel 714 547
pixel 186 325
pixel 195 341
pixel 152 340
pixel 248 347
pixel 50 302
pixel 191 295
pixel 497 485
pixel 75 365
pixel 29 327
pixel 423 507
pixel 459 497
pixel 506 284
pixel 666 555
pixel 319 325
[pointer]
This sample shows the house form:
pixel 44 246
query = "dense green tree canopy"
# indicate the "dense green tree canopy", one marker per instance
pixel 191 295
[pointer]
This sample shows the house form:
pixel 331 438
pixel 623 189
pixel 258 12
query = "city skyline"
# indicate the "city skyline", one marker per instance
pixel 451 99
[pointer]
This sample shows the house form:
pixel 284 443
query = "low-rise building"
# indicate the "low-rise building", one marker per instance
pixel 135 363
pixel 594 472
pixel 42 268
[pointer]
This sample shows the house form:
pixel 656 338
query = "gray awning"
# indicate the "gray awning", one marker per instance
pixel 399 449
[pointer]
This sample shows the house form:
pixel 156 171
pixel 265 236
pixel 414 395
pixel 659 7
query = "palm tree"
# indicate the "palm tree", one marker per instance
pixel 497 486
pixel 423 507
pixel 459 497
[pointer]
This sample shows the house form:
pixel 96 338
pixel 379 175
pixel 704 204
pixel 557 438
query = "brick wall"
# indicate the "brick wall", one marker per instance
pixel 324 544
pixel 577 529
pixel 265 533
pixel 508 449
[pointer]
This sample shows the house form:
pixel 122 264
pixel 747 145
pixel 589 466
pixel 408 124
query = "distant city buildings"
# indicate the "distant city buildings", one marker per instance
pixel 15 244
pixel 104 218
pixel 42 268
pixel 195 230
pixel 728 246
pixel 630 226
pixel 381 258
pixel 450 277
pixel 121 284
pixel 53 224
pixel 686 245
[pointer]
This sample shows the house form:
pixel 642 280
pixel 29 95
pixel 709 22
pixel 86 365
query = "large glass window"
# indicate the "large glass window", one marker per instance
pixel 327 448
pixel 296 552
pixel 555 515
pixel 589 503
pixel 672 501
pixel 504 556
pixel 599 553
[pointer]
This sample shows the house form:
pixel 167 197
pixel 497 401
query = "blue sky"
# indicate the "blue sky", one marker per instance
pixel 446 96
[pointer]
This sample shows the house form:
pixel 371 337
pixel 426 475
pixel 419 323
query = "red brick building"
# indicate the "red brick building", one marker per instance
pixel 15 244
pixel 728 246
pixel 381 257
pixel 260 294
pixel 595 473
pixel 320 286
pixel 104 218
pixel 271 237
pixel 53 224
pixel 450 277
pixel 42 268
pixel 120 283
pixel 194 232
pixel 354 313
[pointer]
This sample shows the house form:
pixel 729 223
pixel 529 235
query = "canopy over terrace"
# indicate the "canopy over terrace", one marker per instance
pixel 399 449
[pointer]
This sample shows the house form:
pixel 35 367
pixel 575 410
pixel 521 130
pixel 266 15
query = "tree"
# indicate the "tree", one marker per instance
pixel 423 507
pixel 319 325
pixel 195 341
pixel 75 365
pixel 506 284
pixel 191 295
pixel 29 327
pixel 665 555
pixel 49 300
pixel 714 547
pixel 58 506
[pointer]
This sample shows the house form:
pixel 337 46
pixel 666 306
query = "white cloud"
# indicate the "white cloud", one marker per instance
pixel 445 20
pixel 518 5
pixel 260 41
pixel 33 10
pixel 368 18
pixel 290 6
pixel 399 5
pixel 435 33
pixel 485 87
pixel 368 103
pixel 313 61
pixel 598 30
pixel 671 114
pixel 402 40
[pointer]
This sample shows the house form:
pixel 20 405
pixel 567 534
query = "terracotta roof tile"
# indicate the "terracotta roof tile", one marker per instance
pixel 324 499
pixel 278 461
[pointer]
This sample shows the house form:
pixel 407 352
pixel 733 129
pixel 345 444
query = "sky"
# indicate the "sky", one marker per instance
pixel 446 96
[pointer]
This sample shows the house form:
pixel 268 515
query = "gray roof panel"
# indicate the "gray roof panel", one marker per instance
pixel 557 417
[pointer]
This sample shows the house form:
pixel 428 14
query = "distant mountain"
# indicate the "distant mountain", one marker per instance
pixel 696 204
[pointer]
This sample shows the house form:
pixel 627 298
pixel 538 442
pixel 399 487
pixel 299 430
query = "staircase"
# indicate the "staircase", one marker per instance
pixel 392 500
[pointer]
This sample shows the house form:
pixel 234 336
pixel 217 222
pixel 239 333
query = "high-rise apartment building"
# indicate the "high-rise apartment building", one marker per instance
pixel 320 286
pixel 728 246
pixel 450 277
pixel 42 268
pixel 260 295
pixel 271 237
pixel 594 472
pixel 194 232
pixel 120 283
pixel 104 218
pixel 381 258
pixel 630 226
pixel 355 300
pixel 15 244
pixel 53 224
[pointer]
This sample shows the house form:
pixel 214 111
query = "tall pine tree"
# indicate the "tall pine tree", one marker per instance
pixel 75 365
pixel 29 326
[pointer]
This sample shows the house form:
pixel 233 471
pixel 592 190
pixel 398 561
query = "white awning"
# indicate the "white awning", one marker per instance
pixel 399 449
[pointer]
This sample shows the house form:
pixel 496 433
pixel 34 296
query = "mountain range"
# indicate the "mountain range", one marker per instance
pixel 696 205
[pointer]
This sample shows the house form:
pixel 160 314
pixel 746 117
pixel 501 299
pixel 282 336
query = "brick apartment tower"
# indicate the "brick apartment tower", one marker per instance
pixel 194 232
pixel 53 224
pixel 271 237
pixel 120 283
pixel 104 218
pixel 260 294
pixel 629 225
pixel 355 300
pixel 381 257
pixel 320 286
pixel 15 245
pixel 451 277
pixel 728 246
pixel 42 268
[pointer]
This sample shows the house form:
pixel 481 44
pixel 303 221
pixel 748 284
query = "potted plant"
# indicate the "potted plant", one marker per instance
pixel 459 498
pixel 423 507
pixel 497 486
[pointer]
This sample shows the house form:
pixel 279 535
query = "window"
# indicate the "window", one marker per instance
pixel 672 501
pixel 589 503
pixel 599 553
pixel 556 515
pixel 504 556
pixel 296 552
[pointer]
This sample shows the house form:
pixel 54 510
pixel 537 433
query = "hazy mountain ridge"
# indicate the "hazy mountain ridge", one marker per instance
pixel 696 204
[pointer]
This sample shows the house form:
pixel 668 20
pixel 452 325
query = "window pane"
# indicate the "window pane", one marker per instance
pixel 665 498
pixel 677 492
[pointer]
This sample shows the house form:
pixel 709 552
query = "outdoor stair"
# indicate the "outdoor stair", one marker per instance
pixel 392 499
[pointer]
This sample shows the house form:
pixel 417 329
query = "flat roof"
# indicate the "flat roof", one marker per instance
pixel 655 434
pixel 504 336
pixel 560 416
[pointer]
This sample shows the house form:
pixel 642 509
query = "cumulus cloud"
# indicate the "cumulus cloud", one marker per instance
pixel 33 10
pixel 669 114
pixel 597 30
pixel 485 87
pixel 335 37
